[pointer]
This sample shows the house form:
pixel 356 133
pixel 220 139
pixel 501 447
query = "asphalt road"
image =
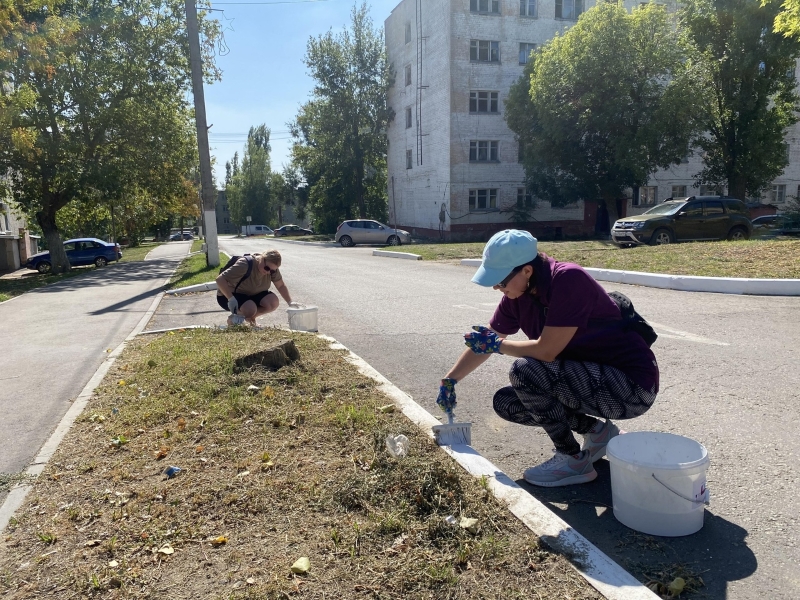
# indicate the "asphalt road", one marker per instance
pixel 54 338
pixel 729 380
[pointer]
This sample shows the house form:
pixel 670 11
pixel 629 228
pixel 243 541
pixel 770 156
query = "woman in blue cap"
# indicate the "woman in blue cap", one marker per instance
pixel 576 365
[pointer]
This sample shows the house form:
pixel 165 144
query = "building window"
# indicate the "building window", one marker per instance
pixel 569 9
pixel 408 32
pixel 679 191
pixel 409 159
pixel 482 151
pixel 525 50
pixel 408 118
pixel 711 190
pixel 524 198
pixel 484 6
pixel 483 102
pixel 647 195
pixel 225 220
pixel 408 74
pixel 527 8
pixel 778 195
pixel 483 199
pixel 484 51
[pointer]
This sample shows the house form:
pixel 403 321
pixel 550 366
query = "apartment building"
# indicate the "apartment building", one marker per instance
pixel 454 165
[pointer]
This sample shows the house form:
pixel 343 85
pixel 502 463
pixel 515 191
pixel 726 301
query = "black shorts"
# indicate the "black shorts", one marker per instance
pixel 242 298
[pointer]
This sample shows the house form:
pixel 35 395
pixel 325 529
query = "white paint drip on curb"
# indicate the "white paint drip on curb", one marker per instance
pixel 16 496
pixel 602 573
pixel 390 254
pixel 689 283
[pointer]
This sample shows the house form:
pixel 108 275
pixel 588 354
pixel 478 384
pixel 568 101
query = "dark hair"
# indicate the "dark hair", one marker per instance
pixel 535 264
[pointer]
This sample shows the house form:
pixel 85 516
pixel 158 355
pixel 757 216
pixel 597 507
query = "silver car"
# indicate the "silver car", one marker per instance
pixel 367 231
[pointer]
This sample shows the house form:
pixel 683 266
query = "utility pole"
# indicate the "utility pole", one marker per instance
pixel 206 180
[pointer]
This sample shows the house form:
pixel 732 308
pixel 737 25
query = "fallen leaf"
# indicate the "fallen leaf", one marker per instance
pixel 218 541
pixel 469 524
pixel 166 550
pixel 389 408
pixel 199 449
pixel 676 587
pixel 161 453
pixel 121 382
pixel 251 580
pixel 113 564
pixel 268 392
pixel 181 424
pixel 253 388
pixel 301 565
pixel 92 543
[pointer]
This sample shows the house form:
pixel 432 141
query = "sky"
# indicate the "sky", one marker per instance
pixel 264 78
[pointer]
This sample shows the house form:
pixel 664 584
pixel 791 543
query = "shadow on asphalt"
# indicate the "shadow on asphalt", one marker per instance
pixel 117 274
pixel 718 552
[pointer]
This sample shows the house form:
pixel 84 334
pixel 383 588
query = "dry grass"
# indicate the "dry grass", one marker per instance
pixel 295 467
pixel 773 259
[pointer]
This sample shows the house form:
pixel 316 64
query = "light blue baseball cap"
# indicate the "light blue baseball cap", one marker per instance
pixel 504 251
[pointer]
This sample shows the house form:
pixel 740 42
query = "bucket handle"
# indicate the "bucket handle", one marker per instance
pixel 704 500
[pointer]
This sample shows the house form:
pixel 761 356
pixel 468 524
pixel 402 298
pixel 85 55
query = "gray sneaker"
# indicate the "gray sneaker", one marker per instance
pixel 596 442
pixel 562 469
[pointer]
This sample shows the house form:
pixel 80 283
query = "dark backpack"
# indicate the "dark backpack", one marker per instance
pixel 232 261
pixel 633 320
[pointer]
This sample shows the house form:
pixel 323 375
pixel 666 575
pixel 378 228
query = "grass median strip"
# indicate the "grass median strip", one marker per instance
pixel 285 488
pixel 193 270
pixel 770 259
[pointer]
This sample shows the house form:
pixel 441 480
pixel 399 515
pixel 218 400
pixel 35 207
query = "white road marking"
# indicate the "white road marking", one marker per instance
pixel 677 334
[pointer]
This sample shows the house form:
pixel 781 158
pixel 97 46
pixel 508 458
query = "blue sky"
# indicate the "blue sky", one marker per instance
pixel 264 79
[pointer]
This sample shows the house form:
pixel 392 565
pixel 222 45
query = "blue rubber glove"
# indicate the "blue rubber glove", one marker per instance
pixel 484 341
pixel 233 304
pixel 447 395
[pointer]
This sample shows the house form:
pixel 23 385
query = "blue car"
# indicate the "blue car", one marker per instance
pixel 80 251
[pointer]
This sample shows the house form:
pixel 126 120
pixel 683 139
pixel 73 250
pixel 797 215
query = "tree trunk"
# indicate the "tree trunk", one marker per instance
pixel 59 263
pixel 736 188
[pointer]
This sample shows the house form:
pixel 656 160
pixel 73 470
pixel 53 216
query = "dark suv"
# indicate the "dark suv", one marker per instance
pixel 696 218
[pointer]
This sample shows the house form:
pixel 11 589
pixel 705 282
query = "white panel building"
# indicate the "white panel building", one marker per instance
pixel 453 164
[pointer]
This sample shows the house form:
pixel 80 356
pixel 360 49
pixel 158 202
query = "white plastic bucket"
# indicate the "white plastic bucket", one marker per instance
pixel 658 482
pixel 303 318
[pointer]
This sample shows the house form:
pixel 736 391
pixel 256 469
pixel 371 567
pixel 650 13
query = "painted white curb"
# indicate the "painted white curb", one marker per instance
pixel 602 573
pixel 324 244
pixel 690 283
pixel 390 254
pixel 17 495
pixel 198 287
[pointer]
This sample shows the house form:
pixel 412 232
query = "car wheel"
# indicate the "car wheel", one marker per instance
pixel 393 240
pixel 661 236
pixel 346 241
pixel 43 267
pixel 100 261
pixel 738 234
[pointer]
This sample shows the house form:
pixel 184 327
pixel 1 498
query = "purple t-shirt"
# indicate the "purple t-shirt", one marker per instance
pixel 567 296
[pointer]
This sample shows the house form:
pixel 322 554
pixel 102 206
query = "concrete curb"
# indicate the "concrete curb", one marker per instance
pixel 690 283
pixel 16 495
pixel 323 244
pixel 602 573
pixel 390 254
pixel 198 287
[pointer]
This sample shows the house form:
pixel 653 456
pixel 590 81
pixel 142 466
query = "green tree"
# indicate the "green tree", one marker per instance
pixel 745 85
pixel 340 147
pixel 603 106
pixel 93 105
pixel 249 187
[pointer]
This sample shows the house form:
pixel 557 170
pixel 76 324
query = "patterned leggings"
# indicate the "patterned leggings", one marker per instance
pixel 559 396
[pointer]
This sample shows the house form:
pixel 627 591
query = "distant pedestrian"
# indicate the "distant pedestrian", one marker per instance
pixel 577 364
pixel 243 288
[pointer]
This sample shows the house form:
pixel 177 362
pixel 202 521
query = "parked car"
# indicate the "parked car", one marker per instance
pixel 695 218
pixel 291 230
pixel 80 251
pixel 367 231
pixel 256 230
pixel 181 236
pixel 771 225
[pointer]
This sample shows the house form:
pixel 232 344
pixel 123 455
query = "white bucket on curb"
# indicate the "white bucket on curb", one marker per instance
pixel 303 318
pixel 658 482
